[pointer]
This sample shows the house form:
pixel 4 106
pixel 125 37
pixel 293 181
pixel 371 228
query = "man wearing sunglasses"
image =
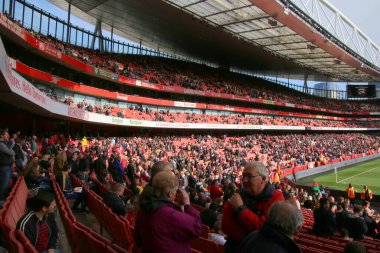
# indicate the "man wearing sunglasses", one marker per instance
pixel 246 211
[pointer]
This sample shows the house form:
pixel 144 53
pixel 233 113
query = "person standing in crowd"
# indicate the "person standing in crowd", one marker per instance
pixel 284 220
pixel 356 225
pixel 366 194
pixel 351 194
pixel 33 145
pixel 341 215
pixel 83 166
pixel 246 211
pixel 170 229
pixel 20 156
pixel 100 168
pixel 39 225
pixel 6 161
pixel 157 167
pixel 324 219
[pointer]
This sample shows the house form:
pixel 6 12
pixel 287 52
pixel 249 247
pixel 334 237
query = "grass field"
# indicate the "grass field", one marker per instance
pixel 366 173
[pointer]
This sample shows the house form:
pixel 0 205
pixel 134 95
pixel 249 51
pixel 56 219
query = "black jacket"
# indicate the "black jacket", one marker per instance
pixel 324 222
pixel 356 227
pixel 341 218
pixel 28 224
pixel 268 240
pixel 6 154
pixel 114 202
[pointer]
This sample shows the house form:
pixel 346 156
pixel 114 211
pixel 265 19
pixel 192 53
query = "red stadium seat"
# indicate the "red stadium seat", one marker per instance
pixel 205 245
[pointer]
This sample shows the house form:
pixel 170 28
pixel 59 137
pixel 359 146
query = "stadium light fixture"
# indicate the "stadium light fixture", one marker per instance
pixel 272 22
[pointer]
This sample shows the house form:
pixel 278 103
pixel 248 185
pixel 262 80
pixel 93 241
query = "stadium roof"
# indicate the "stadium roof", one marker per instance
pixel 256 35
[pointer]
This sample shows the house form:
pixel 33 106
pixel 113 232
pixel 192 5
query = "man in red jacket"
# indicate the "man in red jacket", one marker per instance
pixel 246 211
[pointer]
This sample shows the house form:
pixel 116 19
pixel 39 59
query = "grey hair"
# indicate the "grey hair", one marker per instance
pixel 285 217
pixel 161 166
pixel 117 187
pixel 163 182
pixel 263 171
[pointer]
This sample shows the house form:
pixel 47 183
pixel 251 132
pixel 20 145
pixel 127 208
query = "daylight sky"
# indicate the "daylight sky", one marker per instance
pixel 364 14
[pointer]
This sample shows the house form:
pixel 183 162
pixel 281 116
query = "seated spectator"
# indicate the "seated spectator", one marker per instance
pixel 64 181
pixel 356 225
pixel 354 247
pixel 277 233
pixel 199 198
pixel 294 199
pixel 45 163
pixel 217 234
pixel 39 224
pixel 366 207
pixel 324 219
pixel 170 229
pixel 215 191
pixel 309 203
pixel 114 199
pixel 247 211
pixel 32 176
pixel 210 215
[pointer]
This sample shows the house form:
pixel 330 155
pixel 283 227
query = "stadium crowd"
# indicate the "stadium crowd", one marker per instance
pixel 145 112
pixel 228 177
pixel 198 77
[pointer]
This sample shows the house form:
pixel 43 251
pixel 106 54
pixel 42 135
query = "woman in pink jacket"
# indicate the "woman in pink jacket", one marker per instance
pixel 163 226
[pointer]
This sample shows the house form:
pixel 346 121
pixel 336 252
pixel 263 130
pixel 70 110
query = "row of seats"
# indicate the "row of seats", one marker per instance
pixel 318 244
pixel 13 209
pixel 81 238
pixel 116 226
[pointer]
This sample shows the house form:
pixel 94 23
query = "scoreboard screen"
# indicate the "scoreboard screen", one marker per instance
pixel 361 91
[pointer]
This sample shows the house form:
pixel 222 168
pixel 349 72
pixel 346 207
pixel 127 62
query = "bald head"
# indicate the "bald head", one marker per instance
pixel 161 166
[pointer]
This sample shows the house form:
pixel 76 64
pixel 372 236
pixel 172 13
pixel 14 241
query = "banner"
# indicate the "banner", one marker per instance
pixel 104 73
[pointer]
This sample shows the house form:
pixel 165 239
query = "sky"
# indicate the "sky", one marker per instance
pixel 363 13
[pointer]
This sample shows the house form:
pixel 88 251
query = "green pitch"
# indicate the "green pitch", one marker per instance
pixel 366 173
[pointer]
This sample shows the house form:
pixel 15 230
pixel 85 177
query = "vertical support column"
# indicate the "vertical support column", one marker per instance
pixel 305 86
pixel 140 46
pixel 288 80
pixel 111 38
pixel 68 24
pixel 98 33
pixel 11 8
pixel 23 14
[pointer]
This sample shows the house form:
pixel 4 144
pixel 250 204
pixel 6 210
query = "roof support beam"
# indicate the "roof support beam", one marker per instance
pixel 285 43
pixel 226 11
pixel 273 37
pixel 260 29
pixel 195 3
pixel 244 20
